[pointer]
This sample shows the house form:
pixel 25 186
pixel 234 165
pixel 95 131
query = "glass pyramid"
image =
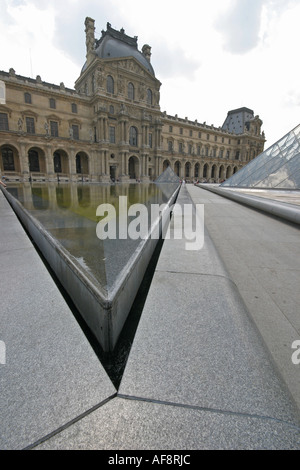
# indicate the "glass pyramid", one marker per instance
pixel 276 167
pixel 168 176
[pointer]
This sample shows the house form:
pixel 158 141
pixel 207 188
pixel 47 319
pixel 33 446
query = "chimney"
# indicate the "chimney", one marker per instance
pixel 89 39
pixel 146 50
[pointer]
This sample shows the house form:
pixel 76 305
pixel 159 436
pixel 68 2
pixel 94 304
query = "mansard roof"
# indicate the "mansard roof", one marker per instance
pixel 116 44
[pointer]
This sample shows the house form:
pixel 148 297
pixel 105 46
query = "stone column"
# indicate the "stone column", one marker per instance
pixel 92 166
pixel 105 166
pixel 24 163
pixel 72 164
pixel 49 162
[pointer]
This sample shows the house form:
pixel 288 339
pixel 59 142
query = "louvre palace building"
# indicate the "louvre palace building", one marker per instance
pixel 110 126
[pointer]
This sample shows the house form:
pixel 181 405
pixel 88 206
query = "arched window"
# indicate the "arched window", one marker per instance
pixel 110 84
pixel 8 159
pixel 33 158
pixel 149 96
pixel 133 136
pixel 214 171
pixel 166 164
pixel 130 91
pixel 57 162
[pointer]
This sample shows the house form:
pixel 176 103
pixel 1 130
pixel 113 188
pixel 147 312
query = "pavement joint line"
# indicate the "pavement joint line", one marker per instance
pixel 69 423
pixel 195 274
pixel 16 249
pixel 204 408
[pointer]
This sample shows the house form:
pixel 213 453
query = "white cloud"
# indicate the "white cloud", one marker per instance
pixel 240 25
pixel 210 56
pixel 29 47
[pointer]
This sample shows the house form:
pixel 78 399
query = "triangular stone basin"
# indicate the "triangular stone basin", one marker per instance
pixel 102 276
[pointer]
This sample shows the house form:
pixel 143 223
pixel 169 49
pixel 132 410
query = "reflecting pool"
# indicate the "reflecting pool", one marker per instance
pixel 68 212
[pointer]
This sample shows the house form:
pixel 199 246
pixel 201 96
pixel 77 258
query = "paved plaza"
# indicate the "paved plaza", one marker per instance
pixel 210 365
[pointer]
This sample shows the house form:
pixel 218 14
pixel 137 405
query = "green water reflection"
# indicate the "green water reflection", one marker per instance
pixel 68 212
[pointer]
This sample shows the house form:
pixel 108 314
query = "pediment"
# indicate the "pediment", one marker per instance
pixel 132 66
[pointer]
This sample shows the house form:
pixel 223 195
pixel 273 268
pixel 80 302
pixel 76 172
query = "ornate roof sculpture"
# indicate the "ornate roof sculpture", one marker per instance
pixel 116 44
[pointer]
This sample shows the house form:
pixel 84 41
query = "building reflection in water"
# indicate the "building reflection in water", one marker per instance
pixel 68 212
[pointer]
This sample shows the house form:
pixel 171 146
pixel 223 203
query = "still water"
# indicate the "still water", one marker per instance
pixel 68 213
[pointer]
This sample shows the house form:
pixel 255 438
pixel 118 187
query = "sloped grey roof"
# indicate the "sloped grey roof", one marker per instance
pixel 116 44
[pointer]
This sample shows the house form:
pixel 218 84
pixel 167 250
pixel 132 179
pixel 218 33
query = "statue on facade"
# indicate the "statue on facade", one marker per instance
pixel 20 124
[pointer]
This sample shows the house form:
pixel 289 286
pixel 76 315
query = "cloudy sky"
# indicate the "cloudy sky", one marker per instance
pixel 211 56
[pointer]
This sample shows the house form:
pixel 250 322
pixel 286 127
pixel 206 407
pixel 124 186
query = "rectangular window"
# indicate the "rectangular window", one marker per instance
pixel 181 131
pixel 75 129
pixel 170 128
pixel 54 128
pixel 112 134
pixel 190 149
pixel 198 150
pixel 3 122
pixel 199 135
pixel 27 98
pixel 150 140
pixel 191 133
pixel 30 129
pixel 74 108
pixel 170 146
pixel 2 93
pixel 52 103
pixel 180 147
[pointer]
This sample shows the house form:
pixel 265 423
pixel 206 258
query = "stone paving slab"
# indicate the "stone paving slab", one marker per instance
pixel 51 374
pixel 199 346
pixel 262 256
pixel 198 375
pixel 123 424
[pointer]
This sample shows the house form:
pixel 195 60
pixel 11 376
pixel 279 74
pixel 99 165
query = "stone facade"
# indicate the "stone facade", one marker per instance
pixel 111 127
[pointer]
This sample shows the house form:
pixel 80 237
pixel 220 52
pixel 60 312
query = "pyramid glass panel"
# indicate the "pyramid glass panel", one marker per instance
pixel 276 167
